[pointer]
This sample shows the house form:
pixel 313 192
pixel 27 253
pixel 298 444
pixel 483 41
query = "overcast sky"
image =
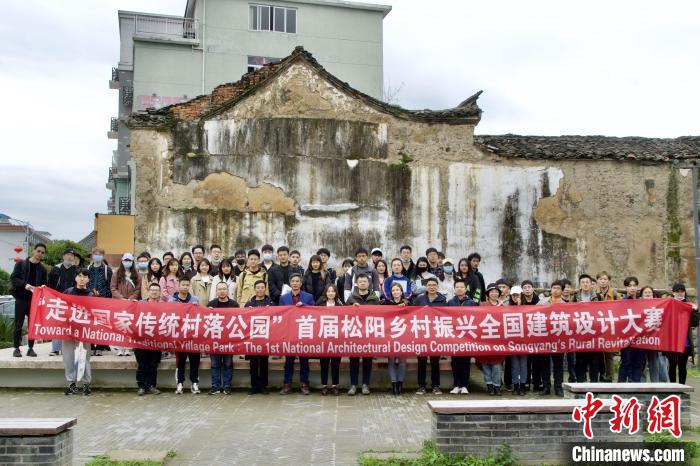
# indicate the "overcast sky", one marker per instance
pixel 546 67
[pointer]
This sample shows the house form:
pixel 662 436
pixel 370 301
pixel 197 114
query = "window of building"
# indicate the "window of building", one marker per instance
pixel 255 63
pixel 273 18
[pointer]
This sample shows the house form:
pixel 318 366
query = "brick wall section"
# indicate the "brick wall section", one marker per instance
pixel 645 399
pixel 534 438
pixel 193 109
pixel 38 450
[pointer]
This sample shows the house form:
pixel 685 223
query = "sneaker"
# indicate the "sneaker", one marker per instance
pixel 509 388
pixel 335 391
pixel 463 391
pixel 264 391
pixel 305 389
pixel 559 392
pixel 141 392
pixel 71 390
pixel 286 389
pixel 17 353
pixel 324 391
pixel 31 353
pixel 214 391
pixel 195 388
pixel 352 391
pixel 365 389
pixel 544 392
pixel 178 390
pixel 153 391
pixel 52 353
pixel 455 391
pixel 86 389
pixel 420 391
pixel 437 391
pixel 98 353
pixel 227 391
pixel 497 390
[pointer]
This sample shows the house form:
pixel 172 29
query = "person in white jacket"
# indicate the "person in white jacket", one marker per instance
pixel 447 281
pixel 227 276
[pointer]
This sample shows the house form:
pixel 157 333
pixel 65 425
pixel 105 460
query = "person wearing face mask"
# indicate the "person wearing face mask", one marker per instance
pixel 267 262
pixel 447 281
pixel 126 284
pixel 238 260
pixel 215 257
pixel 142 269
pixel 423 274
pixel 678 362
pixel 62 277
pixel 100 274
pixel 187 268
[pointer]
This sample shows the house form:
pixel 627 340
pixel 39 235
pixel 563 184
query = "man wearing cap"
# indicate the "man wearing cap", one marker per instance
pixel 62 277
pixel 680 360
pixel 377 255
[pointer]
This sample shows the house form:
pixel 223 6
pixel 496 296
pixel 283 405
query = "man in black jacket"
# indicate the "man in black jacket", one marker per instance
pixel 279 274
pixel 26 275
pixel 62 277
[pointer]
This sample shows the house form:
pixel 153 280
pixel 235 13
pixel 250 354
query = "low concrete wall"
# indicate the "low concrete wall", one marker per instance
pixel 36 446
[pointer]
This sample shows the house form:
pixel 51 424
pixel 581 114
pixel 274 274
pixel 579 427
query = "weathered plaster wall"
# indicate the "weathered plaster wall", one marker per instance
pixel 301 163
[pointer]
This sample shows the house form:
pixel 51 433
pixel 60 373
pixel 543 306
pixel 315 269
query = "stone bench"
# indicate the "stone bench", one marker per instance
pixel 37 441
pixel 536 430
pixel 642 391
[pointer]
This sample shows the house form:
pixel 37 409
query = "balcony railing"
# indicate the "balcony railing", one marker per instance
pixel 166 27
pixel 114 124
pixel 115 74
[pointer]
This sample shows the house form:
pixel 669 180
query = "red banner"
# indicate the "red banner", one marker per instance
pixel 657 324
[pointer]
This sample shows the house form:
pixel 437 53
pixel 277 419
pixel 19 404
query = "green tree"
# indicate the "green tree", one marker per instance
pixel 4 282
pixel 54 254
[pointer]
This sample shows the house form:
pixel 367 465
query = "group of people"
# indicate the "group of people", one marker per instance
pixel 254 278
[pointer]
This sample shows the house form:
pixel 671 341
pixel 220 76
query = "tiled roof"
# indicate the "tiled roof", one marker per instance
pixel 684 148
pixel 225 96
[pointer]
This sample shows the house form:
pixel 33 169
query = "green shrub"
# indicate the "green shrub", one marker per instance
pixel 431 457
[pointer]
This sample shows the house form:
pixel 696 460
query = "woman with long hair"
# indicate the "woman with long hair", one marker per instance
pixel 225 275
pixel 316 278
pixel 330 298
pixel 169 280
pixel 200 285
pixel 187 265
pixel 397 365
pixel 126 284
pixel 466 274
pixel 155 271
pixel 383 271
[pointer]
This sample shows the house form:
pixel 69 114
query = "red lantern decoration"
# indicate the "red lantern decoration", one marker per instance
pixel 18 249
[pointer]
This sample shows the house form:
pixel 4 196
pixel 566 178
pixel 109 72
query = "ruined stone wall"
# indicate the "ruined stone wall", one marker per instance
pixel 301 163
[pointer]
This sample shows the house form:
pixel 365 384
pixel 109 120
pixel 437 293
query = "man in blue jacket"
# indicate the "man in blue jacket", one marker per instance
pixel 431 298
pixel 296 297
